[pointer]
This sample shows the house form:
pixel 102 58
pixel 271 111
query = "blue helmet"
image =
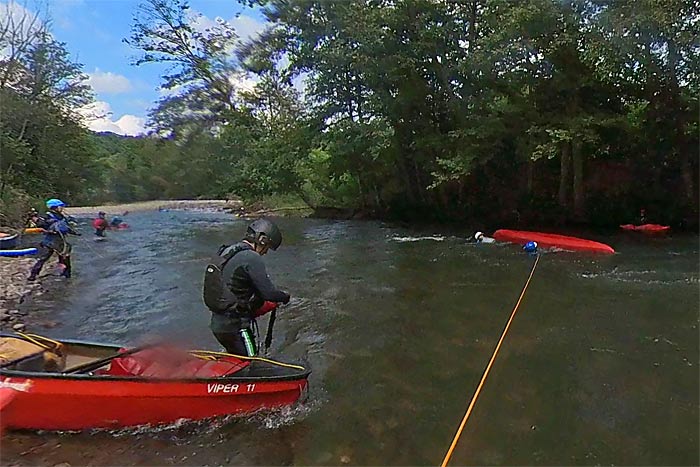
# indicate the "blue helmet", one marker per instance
pixel 54 203
pixel 530 247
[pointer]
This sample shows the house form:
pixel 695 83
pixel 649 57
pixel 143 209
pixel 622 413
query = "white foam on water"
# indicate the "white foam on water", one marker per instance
pixel 639 277
pixel 435 238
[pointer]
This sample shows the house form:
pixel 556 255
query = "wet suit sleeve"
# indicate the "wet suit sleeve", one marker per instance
pixel 42 223
pixel 262 283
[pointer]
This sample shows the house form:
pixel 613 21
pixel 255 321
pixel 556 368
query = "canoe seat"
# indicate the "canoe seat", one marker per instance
pixel 155 363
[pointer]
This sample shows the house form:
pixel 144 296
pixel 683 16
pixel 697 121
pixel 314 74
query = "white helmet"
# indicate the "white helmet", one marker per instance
pixel 478 235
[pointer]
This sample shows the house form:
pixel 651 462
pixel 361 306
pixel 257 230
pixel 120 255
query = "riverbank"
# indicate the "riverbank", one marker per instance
pixel 155 205
pixel 14 291
pixel 269 206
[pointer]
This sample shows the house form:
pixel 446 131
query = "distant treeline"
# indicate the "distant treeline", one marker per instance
pixel 532 111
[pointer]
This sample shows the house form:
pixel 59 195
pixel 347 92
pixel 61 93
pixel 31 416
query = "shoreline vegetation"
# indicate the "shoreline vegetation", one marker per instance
pixel 552 116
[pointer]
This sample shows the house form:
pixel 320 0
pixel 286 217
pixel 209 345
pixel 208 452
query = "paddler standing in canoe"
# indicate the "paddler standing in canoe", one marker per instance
pixel 56 226
pixel 237 288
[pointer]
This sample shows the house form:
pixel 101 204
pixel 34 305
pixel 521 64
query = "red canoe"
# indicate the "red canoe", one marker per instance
pixel 142 387
pixel 548 240
pixel 7 394
pixel 647 228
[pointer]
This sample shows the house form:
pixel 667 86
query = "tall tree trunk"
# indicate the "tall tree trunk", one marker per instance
pixel 579 195
pixel 680 139
pixel 565 174
pixel 687 176
pixel 472 25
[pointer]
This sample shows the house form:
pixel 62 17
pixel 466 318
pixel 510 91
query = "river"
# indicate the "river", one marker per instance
pixel 600 366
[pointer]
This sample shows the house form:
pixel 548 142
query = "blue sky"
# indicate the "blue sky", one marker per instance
pixel 93 31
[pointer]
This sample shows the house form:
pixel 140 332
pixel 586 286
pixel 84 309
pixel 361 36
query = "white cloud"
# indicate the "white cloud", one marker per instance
pixel 243 82
pixel 108 82
pixel 201 22
pixel 98 117
pixel 25 24
pixel 247 27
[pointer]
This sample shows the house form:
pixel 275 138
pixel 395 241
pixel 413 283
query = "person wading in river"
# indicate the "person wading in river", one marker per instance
pixel 237 288
pixel 56 226
pixel 100 224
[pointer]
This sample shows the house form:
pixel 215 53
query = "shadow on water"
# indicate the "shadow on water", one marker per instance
pixel 600 365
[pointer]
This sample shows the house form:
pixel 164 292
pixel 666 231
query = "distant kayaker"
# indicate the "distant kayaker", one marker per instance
pixel 100 224
pixel 643 216
pixel 479 237
pixel 56 226
pixel 115 222
pixel 237 288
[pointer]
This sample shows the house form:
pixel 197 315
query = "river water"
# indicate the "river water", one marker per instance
pixel 600 366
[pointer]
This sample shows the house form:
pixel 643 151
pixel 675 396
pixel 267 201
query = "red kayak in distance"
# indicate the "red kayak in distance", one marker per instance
pixel 646 228
pixel 548 240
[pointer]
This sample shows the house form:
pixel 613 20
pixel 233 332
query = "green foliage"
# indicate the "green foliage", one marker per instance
pixel 540 110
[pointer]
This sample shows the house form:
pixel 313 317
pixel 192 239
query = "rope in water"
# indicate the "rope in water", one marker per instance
pixel 488 368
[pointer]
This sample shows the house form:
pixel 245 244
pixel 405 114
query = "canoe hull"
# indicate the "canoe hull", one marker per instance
pixel 80 403
pixel 15 253
pixel 105 386
pixel 8 242
pixel 7 395
pixel 548 240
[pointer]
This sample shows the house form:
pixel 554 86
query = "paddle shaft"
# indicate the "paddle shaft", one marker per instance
pixel 270 325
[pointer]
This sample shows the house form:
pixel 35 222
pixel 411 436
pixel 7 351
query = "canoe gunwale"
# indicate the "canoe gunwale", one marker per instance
pixel 11 373
pixel 146 380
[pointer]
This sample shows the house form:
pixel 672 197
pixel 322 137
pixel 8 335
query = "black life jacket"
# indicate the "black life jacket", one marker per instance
pixel 216 296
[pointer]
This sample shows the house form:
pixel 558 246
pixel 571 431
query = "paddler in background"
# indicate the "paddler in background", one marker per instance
pixel 115 223
pixel 32 219
pixel 100 224
pixel 237 288
pixel 56 226
pixel 643 216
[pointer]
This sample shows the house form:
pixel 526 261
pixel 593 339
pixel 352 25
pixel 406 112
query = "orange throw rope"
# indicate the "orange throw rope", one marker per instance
pixel 488 368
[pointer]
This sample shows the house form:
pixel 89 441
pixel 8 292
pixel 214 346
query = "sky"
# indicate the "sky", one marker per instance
pixel 93 31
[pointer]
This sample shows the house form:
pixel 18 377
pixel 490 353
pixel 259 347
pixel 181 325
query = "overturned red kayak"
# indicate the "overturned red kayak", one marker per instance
pixel 548 240
pixel 104 386
pixel 648 228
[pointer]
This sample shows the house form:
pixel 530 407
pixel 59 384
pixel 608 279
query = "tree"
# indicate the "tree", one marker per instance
pixel 201 59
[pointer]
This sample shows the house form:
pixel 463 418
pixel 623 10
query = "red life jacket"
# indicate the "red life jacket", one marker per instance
pixel 99 223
